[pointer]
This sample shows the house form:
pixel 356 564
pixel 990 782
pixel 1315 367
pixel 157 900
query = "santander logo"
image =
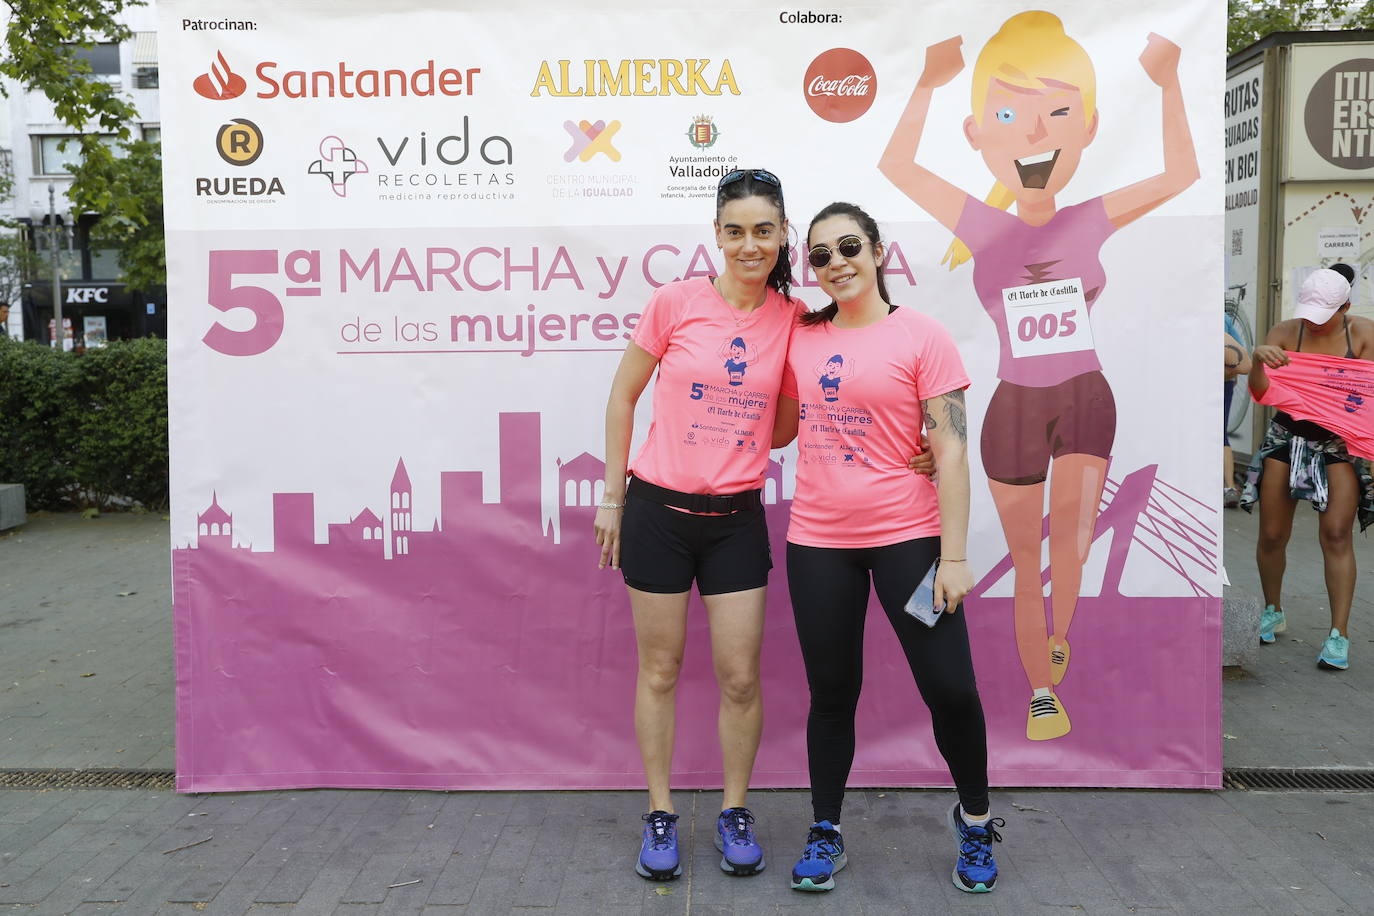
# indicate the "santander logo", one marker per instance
pixel 840 85
pixel 220 82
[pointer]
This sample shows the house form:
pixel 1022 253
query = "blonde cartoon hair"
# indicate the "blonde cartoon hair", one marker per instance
pixel 1029 48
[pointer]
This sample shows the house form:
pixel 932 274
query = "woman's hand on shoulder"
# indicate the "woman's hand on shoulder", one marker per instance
pixel 607 526
pixel 923 462
pixel 953 581
pixel 1270 355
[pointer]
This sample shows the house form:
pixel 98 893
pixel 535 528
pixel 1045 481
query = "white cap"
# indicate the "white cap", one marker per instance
pixel 1321 294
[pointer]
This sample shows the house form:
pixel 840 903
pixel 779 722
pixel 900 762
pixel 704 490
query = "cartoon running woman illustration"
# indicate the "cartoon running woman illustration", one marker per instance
pixel 1053 414
pixel 831 373
pixel 737 357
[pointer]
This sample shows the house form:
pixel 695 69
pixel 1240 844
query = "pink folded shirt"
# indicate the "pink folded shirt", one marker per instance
pixel 1332 391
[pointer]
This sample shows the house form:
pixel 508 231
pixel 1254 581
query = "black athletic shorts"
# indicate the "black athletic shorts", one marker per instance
pixel 663 549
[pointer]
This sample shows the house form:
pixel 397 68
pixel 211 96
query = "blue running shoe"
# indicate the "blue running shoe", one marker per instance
pixel 741 854
pixel 1271 622
pixel 658 859
pixel 1335 652
pixel 822 857
pixel 975 871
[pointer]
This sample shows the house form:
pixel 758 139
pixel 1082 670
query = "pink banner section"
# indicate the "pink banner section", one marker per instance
pixel 463 646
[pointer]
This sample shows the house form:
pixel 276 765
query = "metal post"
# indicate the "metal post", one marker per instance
pixel 59 336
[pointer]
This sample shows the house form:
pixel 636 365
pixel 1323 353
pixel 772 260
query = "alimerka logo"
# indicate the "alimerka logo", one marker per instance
pixel 635 77
pixel 338 163
pixel 220 82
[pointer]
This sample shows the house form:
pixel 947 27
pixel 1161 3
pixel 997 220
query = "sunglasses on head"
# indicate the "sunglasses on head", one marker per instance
pixel 848 247
pixel 763 175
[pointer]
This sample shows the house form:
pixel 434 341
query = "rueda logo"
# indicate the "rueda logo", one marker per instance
pixel 840 85
pixel 239 142
pixel 220 82
pixel 338 163
pixel 588 139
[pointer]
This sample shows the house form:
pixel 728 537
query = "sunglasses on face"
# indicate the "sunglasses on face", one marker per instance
pixel 847 247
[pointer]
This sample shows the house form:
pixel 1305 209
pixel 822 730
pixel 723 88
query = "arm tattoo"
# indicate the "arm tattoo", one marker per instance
pixel 929 413
pixel 954 408
pixel 1240 355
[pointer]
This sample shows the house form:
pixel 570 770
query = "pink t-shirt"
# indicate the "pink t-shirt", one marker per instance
pixel 717 389
pixel 1038 285
pixel 860 391
pixel 1334 392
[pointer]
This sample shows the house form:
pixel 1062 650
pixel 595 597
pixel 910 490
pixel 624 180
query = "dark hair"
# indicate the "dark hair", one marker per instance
pixel 837 358
pixel 780 278
pixel 1345 270
pixel 869 227
pixel 738 342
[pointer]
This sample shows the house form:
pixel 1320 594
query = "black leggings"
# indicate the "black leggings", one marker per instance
pixel 829 588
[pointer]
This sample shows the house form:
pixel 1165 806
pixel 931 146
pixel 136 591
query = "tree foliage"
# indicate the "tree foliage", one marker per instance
pixel 1251 20
pixel 41 38
pixel 126 190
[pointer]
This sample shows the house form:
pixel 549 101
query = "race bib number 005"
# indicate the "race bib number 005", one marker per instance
pixel 1047 318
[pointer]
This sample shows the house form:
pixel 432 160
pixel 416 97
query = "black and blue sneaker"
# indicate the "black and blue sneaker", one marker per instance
pixel 822 857
pixel 658 858
pixel 975 871
pixel 741 854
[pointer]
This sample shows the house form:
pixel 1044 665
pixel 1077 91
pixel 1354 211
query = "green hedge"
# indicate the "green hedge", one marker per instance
pixel 85 430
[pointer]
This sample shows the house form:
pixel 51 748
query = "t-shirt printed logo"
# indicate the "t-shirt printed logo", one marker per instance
pixel 830 373
pixel 737 355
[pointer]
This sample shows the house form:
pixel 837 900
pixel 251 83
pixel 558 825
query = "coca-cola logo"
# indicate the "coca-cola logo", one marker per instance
pixel 840 85
pixel 849 85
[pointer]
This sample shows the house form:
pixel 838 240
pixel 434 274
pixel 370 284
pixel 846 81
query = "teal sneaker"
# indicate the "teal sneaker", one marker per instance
pixel 1334 652
pixel 1272 622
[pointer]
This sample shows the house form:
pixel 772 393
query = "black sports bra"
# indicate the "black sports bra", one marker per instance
pixel 1349 346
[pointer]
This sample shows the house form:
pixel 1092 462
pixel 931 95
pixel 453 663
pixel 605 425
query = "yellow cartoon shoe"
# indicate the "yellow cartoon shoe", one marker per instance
pixel 1047 718
pixel 1059 659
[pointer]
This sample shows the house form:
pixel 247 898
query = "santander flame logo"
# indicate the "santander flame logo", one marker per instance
pixel 840 85
pixel 220 82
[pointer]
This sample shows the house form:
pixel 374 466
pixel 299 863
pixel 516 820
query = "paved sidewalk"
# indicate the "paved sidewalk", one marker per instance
pixel 62 615
pixel 86 670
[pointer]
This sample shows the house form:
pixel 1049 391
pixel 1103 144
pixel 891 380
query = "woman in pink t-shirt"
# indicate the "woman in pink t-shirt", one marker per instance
pixel 1038 276
pixel 693 510
pixel 861 520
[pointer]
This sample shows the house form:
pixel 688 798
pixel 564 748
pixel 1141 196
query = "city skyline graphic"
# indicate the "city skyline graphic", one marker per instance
pixel 481 651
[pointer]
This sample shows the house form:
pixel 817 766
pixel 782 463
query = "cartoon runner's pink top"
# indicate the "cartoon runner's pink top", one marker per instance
pixel 712 422
pixel 1039 284
pixel 854 488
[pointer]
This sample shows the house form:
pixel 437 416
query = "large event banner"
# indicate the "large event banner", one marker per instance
pixel 408 243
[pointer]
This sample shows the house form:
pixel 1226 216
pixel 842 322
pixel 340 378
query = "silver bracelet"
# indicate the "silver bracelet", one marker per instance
pixel 610 505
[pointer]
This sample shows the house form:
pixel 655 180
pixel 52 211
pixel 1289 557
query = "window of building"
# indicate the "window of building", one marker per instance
pixel 104 263
pixel 52 153
pixel 145 60
pixel 103 57
pixel 152 133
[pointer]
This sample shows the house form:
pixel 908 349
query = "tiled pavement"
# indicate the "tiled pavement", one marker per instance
pixel 341 852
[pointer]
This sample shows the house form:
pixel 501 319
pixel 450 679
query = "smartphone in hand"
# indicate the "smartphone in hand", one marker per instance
pixel 921 604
